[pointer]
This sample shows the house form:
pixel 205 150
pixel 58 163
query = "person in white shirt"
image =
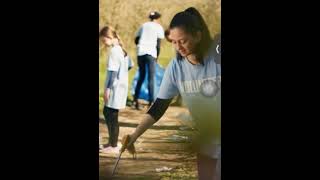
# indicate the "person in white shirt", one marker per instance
pixel 116 85
pixel 148 40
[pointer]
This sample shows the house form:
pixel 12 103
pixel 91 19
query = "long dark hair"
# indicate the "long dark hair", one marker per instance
pixel 191 21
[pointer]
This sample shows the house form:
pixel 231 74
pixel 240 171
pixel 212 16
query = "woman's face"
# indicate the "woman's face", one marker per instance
pixel 183 42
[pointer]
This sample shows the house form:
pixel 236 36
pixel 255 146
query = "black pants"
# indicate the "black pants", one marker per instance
pixel 142 62
pixel 111 117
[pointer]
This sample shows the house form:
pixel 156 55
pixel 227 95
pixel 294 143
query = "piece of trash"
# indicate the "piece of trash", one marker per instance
pixel 177 138
pixel 183 128
pixel 163 169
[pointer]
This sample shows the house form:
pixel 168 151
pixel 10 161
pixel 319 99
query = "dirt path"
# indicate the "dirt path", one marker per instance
pixel 164 145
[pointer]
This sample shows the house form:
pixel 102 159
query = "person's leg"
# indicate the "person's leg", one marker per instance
pixel 206 167
pixel 142 73
pixel 114 127
pixel 151 74
pixel 107 119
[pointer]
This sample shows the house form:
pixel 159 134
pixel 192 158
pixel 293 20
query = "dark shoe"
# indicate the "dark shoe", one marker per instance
pixel 137 106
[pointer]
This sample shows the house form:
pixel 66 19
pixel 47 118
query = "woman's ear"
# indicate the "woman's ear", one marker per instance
pixel 167 34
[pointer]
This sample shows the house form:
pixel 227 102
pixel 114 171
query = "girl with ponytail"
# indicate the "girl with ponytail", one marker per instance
pixel 116 85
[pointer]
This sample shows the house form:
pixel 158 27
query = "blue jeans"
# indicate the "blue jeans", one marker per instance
pixel 142 62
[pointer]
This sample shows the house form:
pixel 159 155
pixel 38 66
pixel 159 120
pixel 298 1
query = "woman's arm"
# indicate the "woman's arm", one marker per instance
pixel 155 112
